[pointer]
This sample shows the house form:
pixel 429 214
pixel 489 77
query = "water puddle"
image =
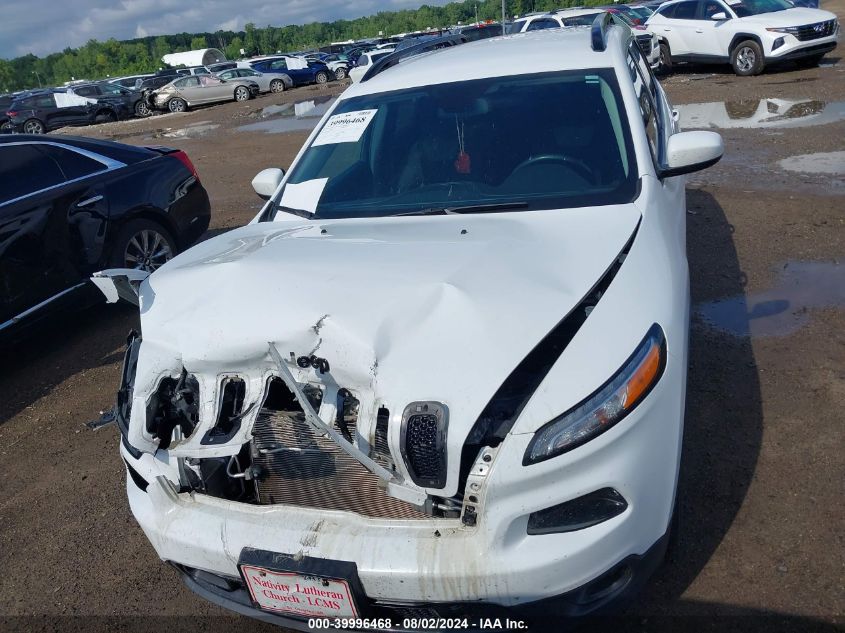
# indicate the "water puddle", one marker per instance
pixel 290 117
pixel 760 113
pixel 820 163
pixel 783 309
pixel 195 130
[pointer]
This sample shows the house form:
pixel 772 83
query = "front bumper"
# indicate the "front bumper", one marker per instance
pixel 442 561
pixel 793 48
pixel 611 589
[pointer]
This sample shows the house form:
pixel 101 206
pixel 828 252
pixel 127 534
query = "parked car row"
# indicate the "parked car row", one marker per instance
pixel 747 34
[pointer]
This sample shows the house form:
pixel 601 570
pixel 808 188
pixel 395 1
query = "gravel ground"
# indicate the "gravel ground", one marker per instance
pixel 760 545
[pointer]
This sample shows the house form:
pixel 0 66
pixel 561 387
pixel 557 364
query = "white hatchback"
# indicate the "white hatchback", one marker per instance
pixel 443 371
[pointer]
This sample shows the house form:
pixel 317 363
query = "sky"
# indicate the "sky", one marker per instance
pixel 57 24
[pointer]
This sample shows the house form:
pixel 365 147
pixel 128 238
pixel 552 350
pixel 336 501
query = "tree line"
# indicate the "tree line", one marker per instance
pixel 113 58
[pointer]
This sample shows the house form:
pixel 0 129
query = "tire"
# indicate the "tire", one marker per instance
pixel 6 127
pixel 340 73
pixel 33 126
pixel 747 58
pixel 177 105
pixel 277 85
pixel 142 110
pixel 321 77
pixel 665 65
pixel 142 244
pixel 241 93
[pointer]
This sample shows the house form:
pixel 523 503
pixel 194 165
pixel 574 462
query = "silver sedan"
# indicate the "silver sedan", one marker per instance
pixel 267 82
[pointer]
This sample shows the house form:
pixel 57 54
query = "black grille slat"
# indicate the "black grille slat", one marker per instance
pixel 644 42
pixel 815 31
pixel 421 444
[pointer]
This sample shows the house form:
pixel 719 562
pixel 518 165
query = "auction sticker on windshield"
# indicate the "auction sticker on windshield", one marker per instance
pixel 298 594
pixel 345 128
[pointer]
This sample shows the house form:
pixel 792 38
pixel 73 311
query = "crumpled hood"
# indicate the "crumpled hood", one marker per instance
pixel 403 309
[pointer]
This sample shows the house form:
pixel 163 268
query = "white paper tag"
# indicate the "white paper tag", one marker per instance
pixel 345 128
pixel 304 195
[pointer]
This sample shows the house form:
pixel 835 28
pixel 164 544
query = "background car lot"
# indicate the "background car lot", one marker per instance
pixel 761 483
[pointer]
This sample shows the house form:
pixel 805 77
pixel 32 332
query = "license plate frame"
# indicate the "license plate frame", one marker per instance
pixel 302 587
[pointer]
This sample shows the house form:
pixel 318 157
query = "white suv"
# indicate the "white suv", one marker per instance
pixel 442 373
pixel 749 34
pixel 649 42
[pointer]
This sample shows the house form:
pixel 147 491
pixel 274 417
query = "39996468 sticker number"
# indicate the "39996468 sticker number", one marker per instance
pixel 387 624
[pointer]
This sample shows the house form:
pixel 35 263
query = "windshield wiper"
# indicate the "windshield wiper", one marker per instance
pixel 300 212
pixel 470 208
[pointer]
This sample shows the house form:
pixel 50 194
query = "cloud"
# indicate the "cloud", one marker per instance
pixel 71 24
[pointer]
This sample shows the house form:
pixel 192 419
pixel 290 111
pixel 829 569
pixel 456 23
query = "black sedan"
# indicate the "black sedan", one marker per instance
pixel 43 111
pixel 72 206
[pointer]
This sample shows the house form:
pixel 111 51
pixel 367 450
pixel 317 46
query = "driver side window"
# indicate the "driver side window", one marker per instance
pixel 711 7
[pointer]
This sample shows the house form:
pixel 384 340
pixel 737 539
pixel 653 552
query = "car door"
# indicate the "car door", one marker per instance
pixel 189 89
pixel 677 24
pixel 216 90
pixel 711 37
pixel 262 80
pixel 76 106
pixel 48 220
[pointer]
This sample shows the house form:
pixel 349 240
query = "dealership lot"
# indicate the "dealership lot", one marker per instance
pixel 760 525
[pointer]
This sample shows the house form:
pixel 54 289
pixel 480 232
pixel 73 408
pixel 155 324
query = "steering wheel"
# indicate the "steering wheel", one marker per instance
pixel 574 164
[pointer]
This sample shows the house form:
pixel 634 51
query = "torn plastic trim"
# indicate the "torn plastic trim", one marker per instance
pixel 396 486
pixel 120 283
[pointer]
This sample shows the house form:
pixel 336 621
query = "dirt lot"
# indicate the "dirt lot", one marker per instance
pixel 761 544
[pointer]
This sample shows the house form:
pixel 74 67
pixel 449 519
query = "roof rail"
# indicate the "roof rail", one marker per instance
pixel 423 47
pixel 601 27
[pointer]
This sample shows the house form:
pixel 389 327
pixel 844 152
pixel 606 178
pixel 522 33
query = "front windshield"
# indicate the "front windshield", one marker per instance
pixel 543 141
pixel 745 8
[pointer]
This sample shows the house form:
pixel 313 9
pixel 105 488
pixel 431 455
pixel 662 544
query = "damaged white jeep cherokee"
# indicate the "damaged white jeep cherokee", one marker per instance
pixel 443 372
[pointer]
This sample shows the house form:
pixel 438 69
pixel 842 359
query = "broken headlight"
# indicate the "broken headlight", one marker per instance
pixel 605 407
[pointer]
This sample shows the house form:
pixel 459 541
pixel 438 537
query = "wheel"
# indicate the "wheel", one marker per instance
pixel 665 58
pixel 321 77
pixel 6 127
pixel 142 244
pixel 809 62
pixel 241 94
pixel 142 109
pixel 33 126
pixel 177 105
pixel 747 58
pixel 277 85
pixel 340 73
pixel 106 116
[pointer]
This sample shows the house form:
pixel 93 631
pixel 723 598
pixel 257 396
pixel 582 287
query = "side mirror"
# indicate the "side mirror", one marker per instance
pixel 267 181
pixel 719 17
pixel 687 152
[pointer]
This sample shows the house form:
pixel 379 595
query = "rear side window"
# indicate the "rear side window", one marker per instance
pixel 25 170
pixel 87 91
pixel 40 101
pixel 279 65
pixel 544 23
pixel 73 164
pixel 685 11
